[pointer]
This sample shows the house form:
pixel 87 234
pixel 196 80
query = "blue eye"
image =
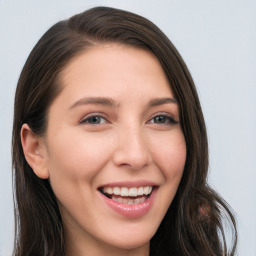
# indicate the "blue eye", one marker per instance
pixel 94 120
pixel 163 119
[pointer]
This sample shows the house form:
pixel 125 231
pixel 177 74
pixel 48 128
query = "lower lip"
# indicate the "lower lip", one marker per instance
pixel 131 210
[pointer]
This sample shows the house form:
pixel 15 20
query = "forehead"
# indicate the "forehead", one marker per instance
pixel 116 63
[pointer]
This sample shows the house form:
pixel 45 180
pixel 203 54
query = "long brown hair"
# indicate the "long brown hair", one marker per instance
pixel 194 223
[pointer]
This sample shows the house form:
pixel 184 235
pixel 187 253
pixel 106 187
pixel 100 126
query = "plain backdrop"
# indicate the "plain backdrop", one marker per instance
pixel 217 40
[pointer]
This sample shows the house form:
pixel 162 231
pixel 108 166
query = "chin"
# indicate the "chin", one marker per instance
pixel 133 240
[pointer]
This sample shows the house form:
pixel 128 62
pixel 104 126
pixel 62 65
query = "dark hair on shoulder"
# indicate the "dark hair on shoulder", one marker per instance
pixel 194 223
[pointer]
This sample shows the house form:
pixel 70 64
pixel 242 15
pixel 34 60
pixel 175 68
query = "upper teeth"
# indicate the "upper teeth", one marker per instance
pixel 124 191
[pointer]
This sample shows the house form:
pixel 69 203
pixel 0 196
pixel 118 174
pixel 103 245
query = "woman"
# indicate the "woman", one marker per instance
pixel 109 145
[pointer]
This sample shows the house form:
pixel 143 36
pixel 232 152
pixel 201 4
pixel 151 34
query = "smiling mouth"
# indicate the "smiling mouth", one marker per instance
pixel 125 195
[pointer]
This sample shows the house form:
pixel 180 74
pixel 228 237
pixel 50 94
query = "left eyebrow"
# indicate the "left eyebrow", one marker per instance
pixel 161 101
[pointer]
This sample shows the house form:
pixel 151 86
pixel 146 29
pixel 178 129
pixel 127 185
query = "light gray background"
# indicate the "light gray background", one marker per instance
pixel 217 40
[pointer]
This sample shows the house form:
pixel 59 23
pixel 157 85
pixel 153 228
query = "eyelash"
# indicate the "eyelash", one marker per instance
pixel 168 119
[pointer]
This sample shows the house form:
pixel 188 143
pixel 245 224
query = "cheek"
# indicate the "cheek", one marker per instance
pixel 76 157
pixel 170 155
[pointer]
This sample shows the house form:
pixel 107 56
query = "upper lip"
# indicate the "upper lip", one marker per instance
pixel 130 184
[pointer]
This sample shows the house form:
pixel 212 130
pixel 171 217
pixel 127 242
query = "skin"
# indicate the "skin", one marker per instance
pixel 128 143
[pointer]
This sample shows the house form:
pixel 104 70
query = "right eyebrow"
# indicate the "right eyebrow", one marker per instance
pixel 95 100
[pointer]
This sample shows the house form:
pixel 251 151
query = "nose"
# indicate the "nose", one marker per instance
pixel 132 149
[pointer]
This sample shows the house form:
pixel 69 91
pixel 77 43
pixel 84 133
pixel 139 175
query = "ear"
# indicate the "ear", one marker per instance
pixel 34 151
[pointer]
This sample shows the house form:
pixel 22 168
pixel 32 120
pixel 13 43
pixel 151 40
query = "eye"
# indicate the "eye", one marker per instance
pixel 163 119
pixel 94 120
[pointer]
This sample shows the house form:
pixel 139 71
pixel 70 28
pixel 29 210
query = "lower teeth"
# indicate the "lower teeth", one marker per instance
pixel 128 200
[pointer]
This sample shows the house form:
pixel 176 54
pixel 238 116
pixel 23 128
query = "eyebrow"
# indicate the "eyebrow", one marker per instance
pixel 95 100
pixel 161 101
pixel 112 103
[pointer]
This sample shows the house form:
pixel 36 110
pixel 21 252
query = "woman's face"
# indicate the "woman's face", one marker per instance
pixel 115 148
